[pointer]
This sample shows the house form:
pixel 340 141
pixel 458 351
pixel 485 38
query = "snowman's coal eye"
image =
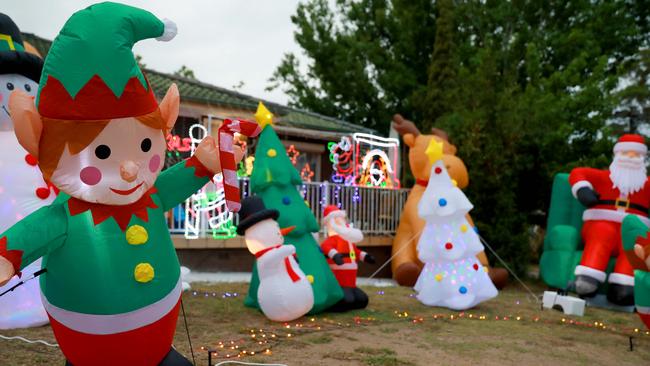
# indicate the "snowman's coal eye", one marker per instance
pixel 28 88
pixel 145 145
pixel 10 86
pixel 102 152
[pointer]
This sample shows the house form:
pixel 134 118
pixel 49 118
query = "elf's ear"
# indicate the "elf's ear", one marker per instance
pixel 169 106
pixel 28 125
pixel 409 139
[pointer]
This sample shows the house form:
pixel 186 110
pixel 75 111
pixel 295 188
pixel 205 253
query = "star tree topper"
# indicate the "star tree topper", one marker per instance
pixel 263 116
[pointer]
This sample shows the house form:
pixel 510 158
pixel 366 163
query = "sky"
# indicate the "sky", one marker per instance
pixel 225 42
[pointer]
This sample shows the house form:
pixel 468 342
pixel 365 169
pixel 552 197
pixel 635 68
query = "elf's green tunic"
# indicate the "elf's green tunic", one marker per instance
pixel 100 268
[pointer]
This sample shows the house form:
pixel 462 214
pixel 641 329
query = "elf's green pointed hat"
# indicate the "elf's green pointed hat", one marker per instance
pixel 90 72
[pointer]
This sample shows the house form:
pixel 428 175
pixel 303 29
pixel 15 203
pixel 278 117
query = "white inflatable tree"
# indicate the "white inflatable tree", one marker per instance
pixel 452 276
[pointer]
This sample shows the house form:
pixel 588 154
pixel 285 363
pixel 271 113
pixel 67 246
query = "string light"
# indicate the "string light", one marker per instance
pixel 293 154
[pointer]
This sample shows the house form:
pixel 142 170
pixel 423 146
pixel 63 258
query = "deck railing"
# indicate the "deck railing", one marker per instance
pixel 376 211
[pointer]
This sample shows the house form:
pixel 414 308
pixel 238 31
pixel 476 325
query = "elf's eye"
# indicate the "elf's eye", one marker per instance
pixel 102 152
pixel 28 88
pixel 10 86
pixel 145 145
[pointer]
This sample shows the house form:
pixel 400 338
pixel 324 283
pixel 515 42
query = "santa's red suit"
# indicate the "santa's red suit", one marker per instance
pixel 346 273
pixel 601 231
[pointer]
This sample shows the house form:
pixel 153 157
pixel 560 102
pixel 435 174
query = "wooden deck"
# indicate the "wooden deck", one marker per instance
pixel 180 242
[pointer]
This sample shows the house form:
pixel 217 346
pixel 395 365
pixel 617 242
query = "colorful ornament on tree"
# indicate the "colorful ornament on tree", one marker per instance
pixel 452 276
pixel 22 188
pixel 284 292
pixel 274 180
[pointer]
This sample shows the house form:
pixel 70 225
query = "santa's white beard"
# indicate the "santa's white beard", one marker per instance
pixel 348 232
pixel 628 174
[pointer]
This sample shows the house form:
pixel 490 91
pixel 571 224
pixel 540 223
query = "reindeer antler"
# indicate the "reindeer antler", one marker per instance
pixel 404 126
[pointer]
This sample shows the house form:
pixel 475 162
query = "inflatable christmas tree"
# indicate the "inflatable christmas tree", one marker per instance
pixel 274 179
pixel 452 276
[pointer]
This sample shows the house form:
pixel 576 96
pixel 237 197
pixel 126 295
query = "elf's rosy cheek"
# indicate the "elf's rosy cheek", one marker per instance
pixel 90 175
pixel 154 163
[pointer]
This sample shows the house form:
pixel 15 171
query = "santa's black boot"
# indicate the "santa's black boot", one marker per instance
pixel 346 303
pixel 620 294
pixel 586 286
pixel 67 363
pixel 360 299
pixel 174 358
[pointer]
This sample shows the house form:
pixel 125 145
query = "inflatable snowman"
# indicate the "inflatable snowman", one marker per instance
pixel 22 188
pixel 284 293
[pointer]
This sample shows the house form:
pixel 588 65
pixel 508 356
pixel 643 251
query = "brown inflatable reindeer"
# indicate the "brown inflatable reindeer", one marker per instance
pixel 406 266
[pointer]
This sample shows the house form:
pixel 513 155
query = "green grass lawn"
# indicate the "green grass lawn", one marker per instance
pixel 395 329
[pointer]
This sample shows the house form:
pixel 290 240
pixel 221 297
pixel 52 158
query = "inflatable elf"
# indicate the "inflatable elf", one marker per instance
pixel 636 244
pixel 112 288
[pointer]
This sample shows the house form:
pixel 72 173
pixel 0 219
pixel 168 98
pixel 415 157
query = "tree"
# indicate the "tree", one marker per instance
pixel 533 86
pixel 185 72
pixel 274 179
pixel 441 88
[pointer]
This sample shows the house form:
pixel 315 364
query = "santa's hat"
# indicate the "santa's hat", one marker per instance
pixel 631 142
pixel 90 72
pixel 332 211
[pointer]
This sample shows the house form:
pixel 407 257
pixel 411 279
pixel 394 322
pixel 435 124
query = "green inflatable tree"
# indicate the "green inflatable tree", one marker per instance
pixel 274 179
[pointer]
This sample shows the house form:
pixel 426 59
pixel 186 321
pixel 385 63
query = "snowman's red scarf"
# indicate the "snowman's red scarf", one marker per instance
pixel 287 264
pixel 121 214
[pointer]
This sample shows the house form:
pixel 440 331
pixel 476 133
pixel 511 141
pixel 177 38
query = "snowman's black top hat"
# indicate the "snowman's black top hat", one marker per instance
pixel 13 58
pixel 253 211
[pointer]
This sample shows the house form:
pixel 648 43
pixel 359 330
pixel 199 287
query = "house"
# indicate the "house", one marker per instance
pixel 309 137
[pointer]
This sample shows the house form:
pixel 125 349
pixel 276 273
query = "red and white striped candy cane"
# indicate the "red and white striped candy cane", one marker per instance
pixel 227 157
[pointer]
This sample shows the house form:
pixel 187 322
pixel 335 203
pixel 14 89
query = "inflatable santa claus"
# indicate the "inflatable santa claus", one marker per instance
pixel 343 255
pixel 609 196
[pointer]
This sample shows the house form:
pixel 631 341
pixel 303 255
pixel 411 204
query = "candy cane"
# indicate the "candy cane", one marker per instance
pixel 227 157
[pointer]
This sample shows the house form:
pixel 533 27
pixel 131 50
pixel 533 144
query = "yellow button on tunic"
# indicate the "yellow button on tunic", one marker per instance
pixel 136 235
pixel 144 272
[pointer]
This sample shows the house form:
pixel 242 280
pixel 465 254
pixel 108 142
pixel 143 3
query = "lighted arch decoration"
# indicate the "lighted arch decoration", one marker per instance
pixel 376 170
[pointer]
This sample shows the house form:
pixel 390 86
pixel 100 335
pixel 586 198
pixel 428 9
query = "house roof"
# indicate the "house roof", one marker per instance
pixel 203 93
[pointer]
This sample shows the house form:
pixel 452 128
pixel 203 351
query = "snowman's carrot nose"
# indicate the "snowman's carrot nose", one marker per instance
pixel 287 230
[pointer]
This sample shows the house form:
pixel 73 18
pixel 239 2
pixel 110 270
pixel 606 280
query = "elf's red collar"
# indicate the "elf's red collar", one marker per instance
pixel 422 182
pixel 121 214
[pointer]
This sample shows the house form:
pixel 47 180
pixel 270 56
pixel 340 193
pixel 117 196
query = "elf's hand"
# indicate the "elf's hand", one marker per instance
pixel 6 271
pixel 208 154
pixel 643 253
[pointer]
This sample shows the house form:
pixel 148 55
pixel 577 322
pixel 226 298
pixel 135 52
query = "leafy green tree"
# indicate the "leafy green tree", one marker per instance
pixel 185 72
pixel 274 179
pixel 441 87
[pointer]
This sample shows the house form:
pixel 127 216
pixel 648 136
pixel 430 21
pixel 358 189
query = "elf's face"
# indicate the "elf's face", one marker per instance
pixel 117 168
pixel 9 83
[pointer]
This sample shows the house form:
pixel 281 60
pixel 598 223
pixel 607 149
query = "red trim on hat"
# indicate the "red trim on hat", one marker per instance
pixel 329 209
pixel 95 101
pixel 632 138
